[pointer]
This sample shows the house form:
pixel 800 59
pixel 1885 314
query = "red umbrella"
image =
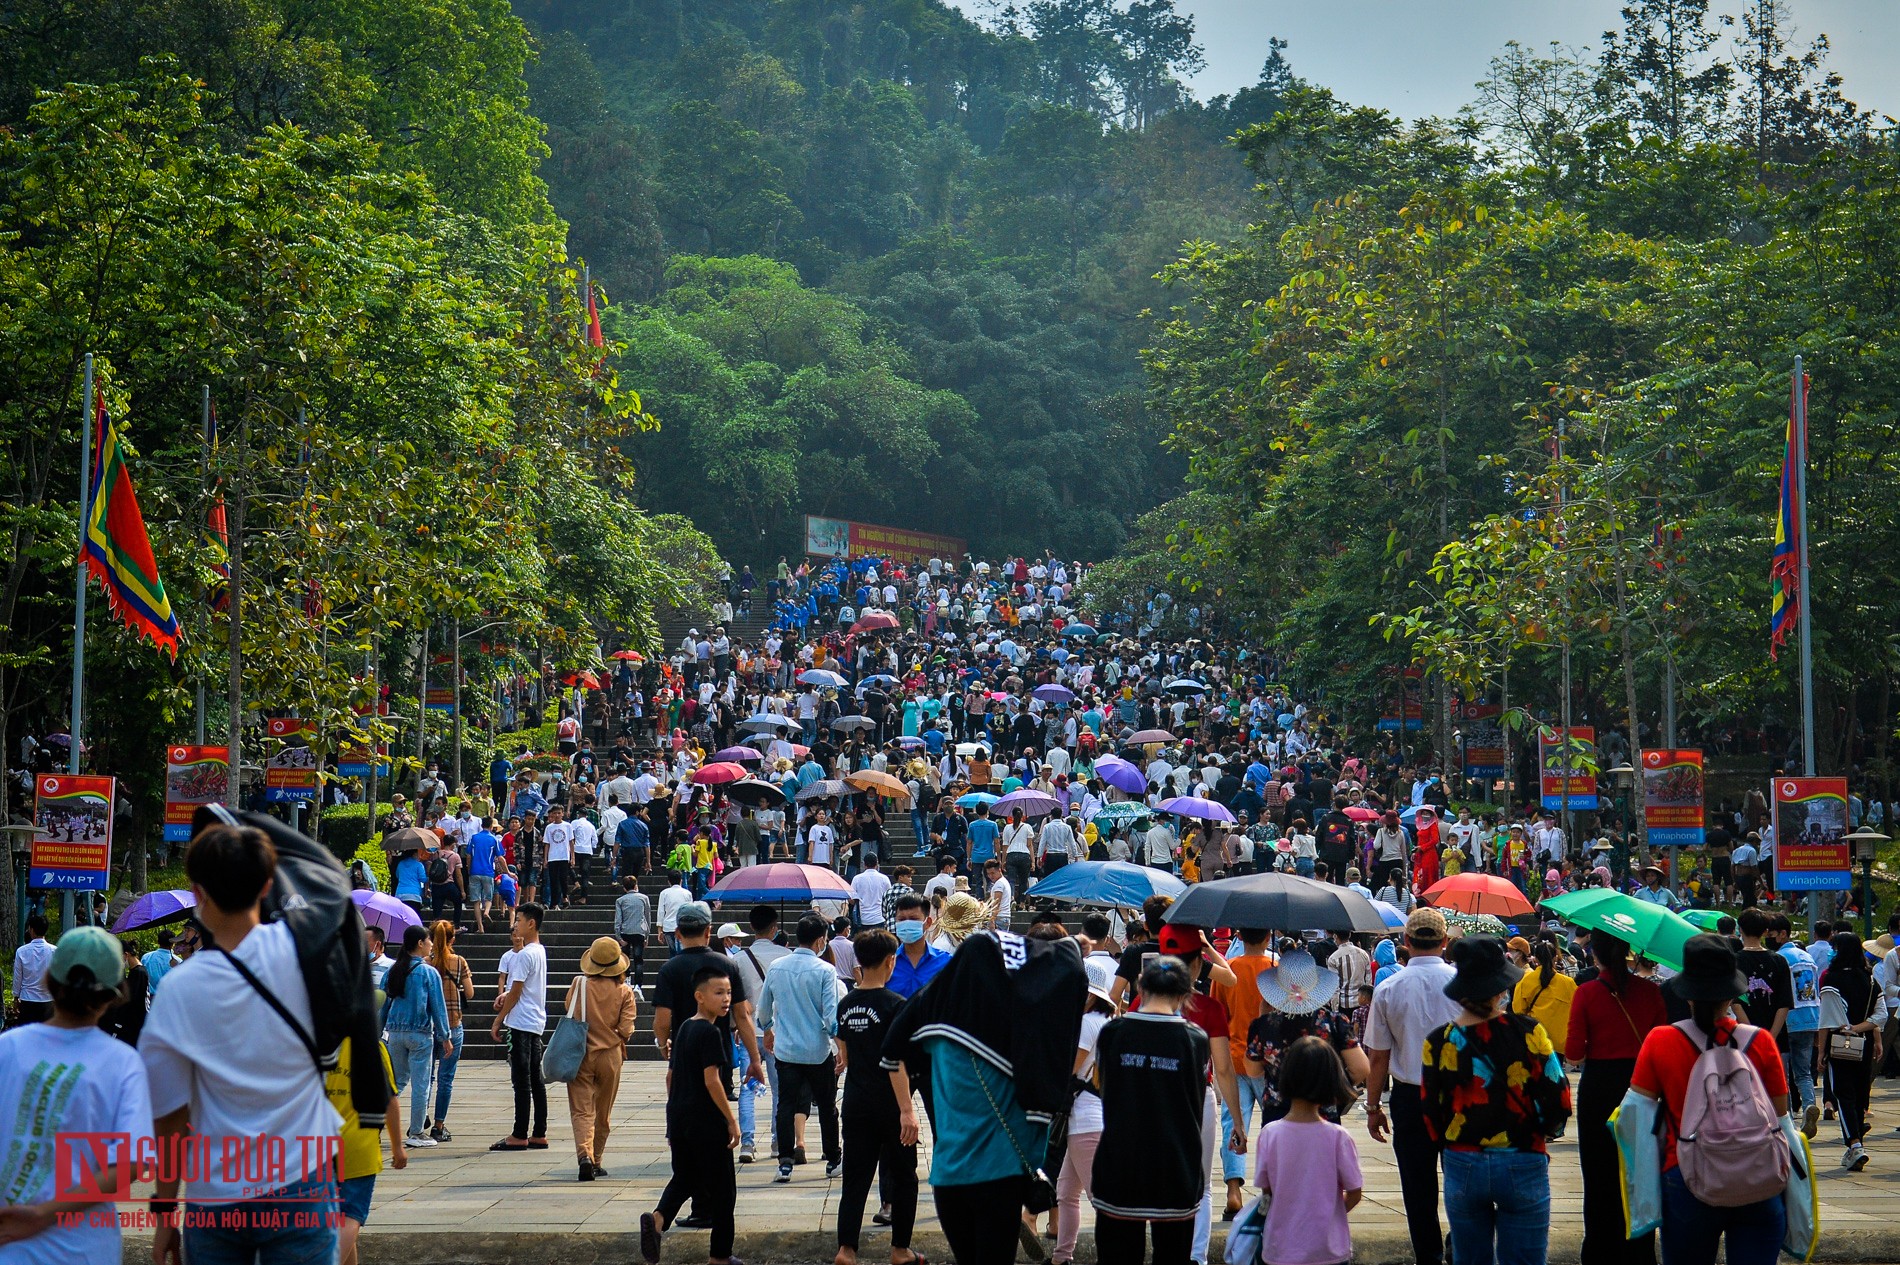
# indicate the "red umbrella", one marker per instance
pixel 875 621
pixel 719 771
pixel 587 679
pixel 1362 814
pixel 1473 893
pixel 632 656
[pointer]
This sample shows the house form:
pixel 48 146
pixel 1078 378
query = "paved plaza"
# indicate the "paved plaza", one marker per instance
pixel 460 1202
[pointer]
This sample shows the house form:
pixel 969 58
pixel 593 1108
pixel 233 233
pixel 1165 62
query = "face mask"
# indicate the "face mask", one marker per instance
pixel 910 931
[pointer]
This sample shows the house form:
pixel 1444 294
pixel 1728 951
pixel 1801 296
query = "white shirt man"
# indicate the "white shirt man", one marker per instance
pixel 1057 838
pixel 620 787
pixel 870 886
pixel 1157 847
pixel 1547 841
pixel 557 841
pixel 30 961
pixel 670 901
pixel 1005 898
pixel 585 837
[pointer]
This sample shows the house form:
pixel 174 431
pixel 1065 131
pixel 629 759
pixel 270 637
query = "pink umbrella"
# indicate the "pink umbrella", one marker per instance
pixel 1362 814
pixel 1143 737
pixel 720 771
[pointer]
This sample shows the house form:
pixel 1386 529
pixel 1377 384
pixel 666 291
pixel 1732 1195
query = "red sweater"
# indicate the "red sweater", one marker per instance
pixel 1604 1026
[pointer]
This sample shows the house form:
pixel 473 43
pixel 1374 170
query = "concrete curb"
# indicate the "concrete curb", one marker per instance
pixel 388 1246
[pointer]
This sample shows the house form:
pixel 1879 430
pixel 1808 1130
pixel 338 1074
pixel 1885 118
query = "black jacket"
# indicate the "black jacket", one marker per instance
pixel 1013 1002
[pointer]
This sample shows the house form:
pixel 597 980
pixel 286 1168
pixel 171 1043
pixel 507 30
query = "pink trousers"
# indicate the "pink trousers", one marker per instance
pixel 1078 1165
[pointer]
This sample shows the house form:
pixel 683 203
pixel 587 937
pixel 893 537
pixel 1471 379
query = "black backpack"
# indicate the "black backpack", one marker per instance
pixel 310 893
pixel 438 869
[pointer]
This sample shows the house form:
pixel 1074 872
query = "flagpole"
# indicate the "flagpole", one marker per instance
pixel 79 600
pixel 204 483
pixel 1807 595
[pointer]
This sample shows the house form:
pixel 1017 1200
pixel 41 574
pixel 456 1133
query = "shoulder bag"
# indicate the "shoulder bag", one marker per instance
pixel 1039 1195
pixel 567 1048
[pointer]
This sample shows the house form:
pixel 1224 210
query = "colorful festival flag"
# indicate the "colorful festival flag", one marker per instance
pixel 594 334
pixel 1784 567
pixel 117 551
pixel 218 538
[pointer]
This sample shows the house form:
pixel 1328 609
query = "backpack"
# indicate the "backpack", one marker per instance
pixel 1729 1141
pixel 438 869
pixel 310 893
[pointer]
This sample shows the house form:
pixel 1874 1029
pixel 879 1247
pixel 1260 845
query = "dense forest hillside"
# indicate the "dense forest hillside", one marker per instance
pixel 909 255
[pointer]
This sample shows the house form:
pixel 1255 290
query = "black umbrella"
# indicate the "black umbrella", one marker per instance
pixel 754 793
pixel 1278 902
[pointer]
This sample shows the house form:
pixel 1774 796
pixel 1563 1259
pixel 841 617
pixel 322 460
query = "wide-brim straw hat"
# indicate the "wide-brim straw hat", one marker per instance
pixel 604 957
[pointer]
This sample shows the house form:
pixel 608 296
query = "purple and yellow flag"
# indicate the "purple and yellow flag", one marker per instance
pixel 1784 567
pixel 116 549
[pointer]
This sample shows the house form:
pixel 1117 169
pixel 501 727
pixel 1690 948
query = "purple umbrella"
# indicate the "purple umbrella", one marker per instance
pixel 1053 693
pixel 156 908
pixel 1189 806
pixel 737 754
pixel 380 909
pixel 910 742
pixel 1122 775
pixel 781 881
pixel 1033 804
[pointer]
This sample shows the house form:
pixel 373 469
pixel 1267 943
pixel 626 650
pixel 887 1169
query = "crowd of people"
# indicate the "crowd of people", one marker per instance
pixel 969 710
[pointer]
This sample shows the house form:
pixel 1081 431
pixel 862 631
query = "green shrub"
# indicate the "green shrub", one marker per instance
pixel 344 829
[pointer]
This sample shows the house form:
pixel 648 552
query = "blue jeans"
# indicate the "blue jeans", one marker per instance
pixel 1498 1203
pixel 445 1073
pixel 1303 866
pixel 412 1058
pixel 1253 1090
pixel 748 1096
pixel 1691 1229
pixel 293 1226
pixel 1798 1062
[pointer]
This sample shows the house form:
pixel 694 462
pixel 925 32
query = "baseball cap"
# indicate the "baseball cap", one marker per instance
pixel 1179 941
pixel 695 915
pixel 1426 926
pixel 729 931
pixel 94 948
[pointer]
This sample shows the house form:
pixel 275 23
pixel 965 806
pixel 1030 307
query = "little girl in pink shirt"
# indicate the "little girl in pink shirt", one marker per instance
pixel 1309 1165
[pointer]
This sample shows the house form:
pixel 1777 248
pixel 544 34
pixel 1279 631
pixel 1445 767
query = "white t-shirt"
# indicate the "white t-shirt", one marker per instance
pixel 214 1046
pixel 557 841
pixel 586 838
pixel 871 887
pixel 530 1011
pixel 670 901
pixel 1086 1115
pixel 945 883
pixel 820 838
pixel 1005 901
pixel 66 1080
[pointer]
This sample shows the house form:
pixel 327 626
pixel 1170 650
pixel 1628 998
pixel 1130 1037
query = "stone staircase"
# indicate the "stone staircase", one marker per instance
pixel 569 932
pixel 743 629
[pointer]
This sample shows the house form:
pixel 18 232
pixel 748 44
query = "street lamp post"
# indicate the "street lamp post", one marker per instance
pixel 1864 841
pixel 1623 778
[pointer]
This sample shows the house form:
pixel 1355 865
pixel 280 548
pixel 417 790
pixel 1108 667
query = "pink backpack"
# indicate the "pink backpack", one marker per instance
pixel 1729 1141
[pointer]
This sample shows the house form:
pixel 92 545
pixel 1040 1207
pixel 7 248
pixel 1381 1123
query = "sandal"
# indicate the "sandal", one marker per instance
pixel 509 1144
pixel 537 1144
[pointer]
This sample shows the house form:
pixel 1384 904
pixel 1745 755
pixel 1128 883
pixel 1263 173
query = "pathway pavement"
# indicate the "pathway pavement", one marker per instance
pixel 460 1203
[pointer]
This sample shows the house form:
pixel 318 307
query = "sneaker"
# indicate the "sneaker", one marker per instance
pixel 833 1168
pixel 649 1239
pixel 1855 1159
pixel 784 1175
pixel 748 1154
pixel 1031 1241
pixel 421 1140
pixel 798 1155
pixel 441 1134
pixel 1811 1120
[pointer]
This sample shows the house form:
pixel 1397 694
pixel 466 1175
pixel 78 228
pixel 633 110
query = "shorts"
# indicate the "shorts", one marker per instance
pixel 354 1195
pixel 481 888
pixel 1718 870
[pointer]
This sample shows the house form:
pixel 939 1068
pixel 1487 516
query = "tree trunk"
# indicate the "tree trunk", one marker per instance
pixel 234 680
pixel 422 711
pixel 1637 826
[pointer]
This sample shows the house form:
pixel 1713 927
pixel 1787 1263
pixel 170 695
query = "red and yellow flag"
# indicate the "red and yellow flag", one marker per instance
pixel 116 549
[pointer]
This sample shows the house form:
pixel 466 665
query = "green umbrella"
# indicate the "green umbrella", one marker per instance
pixel 1704 918
pixel 1648 929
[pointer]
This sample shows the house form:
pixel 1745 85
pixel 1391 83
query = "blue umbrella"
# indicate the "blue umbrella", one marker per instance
pixel 977 797
pixel 878 681
pixel 1123 810
pixel 1394 917
pixel 1115 884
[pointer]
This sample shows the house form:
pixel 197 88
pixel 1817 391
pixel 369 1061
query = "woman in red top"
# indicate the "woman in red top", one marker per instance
pixel 1609 1018
pixel 1693 1230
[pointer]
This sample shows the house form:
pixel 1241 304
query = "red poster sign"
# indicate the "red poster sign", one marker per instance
pixel 1811 851
pixel 194 776
pixel 291 771
pixel 842 538
pixel 1672 797
pixel 72 832
pixel 1561 769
